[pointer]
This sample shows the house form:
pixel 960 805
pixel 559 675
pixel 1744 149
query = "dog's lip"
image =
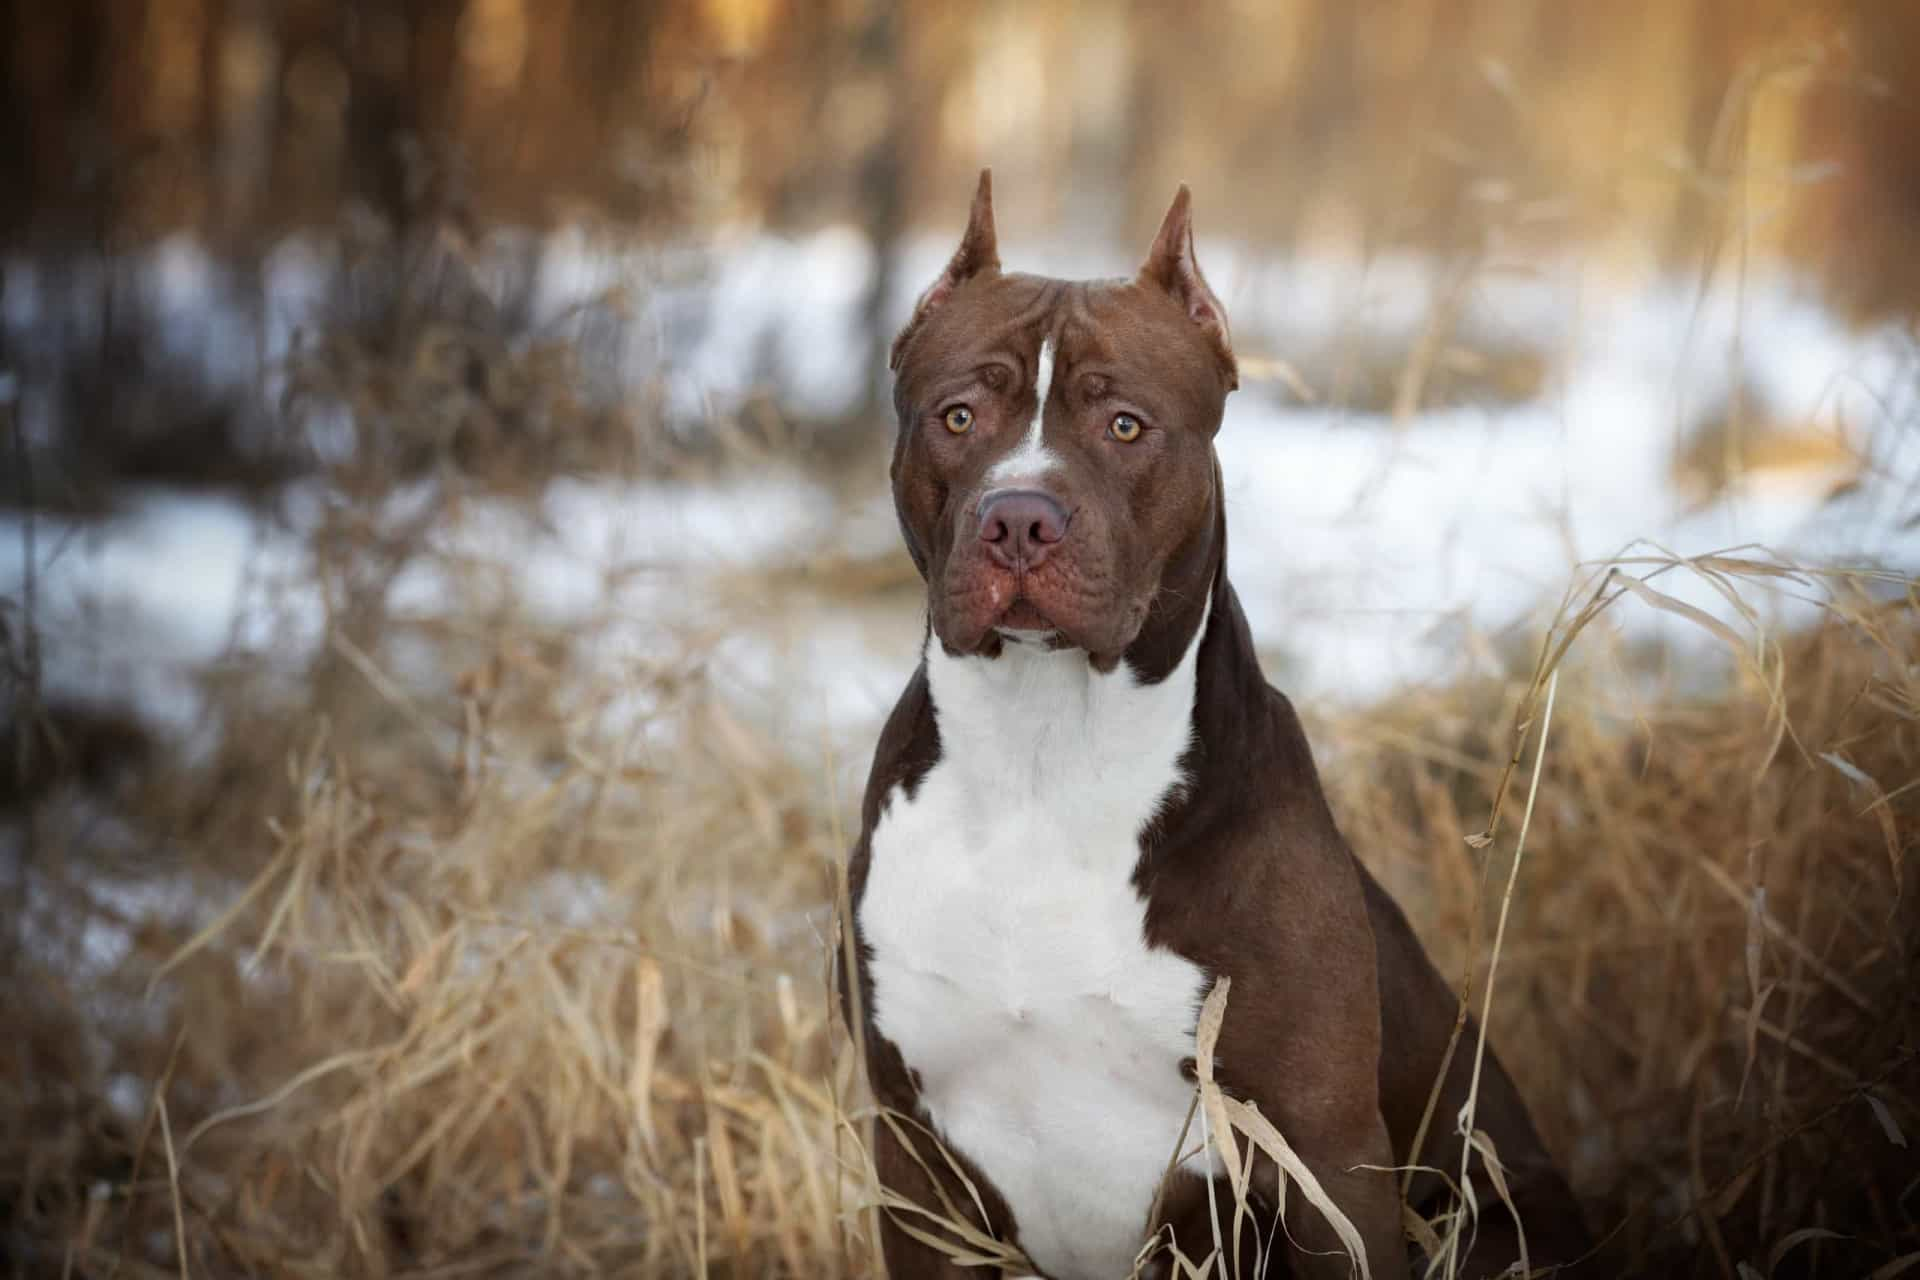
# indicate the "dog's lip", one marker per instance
pixel 1023 615
pixel 1002 606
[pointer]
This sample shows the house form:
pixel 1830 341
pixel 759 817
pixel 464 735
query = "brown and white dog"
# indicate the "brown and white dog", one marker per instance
pixel 1088 805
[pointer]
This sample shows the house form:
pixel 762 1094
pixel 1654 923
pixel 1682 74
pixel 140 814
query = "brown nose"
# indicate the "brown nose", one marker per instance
pixel 1021 526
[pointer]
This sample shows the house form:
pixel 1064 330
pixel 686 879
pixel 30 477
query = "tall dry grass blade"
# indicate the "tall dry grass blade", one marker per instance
pixel 1213 1198
pixel 260 1106
pixel 1261 1132
pixel 650 1020
pixel 726 1183
pixel 1898 1267
pixel 798 1133
pixel 173 1185
pixel 1221 1116
pixel 948 1231
pixel 1793 1240
pixel 149 1121
pixel 1680 608
pixel 1723 880
pixel 391 691
pixel 1553 650
pixel 1883 1114
pixel 221 922
pixel 1879 806
pixel 1412 1165
pixel 950 1216
pixel 700 1206
pixel 1216 1130
pixel 1469 1108
pixel 1420 1231
pixel 1482 1145
pixel 851 999
pixel 1173 1164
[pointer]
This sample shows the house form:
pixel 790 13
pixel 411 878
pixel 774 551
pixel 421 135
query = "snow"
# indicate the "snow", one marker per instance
pixel 1364 549
pixel 1370 554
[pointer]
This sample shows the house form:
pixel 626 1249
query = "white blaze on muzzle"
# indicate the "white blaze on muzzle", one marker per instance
pixel 1031 459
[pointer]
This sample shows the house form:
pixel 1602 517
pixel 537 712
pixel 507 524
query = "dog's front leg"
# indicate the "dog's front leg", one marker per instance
pixel 910 1175
pixel 1307 1091
pixel 1339 1156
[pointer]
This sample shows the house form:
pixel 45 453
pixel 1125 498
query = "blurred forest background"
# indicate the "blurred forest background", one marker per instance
pixel 241 120
pixel 1653 135
pixel 448 591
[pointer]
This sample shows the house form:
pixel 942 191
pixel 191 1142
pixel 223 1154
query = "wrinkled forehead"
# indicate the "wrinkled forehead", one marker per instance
pixel 1118 329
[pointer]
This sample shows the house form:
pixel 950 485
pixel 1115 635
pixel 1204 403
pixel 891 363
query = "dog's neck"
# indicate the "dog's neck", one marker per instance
pixel 1040 720
pixel 1036 718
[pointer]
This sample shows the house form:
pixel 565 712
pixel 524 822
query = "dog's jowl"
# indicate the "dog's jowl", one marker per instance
pixel 1088 806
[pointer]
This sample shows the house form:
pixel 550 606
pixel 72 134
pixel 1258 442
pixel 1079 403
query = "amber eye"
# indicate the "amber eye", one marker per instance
pixel 959 419
pixel 1125 428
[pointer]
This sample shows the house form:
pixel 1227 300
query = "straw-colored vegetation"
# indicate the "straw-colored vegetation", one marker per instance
pixel 460 949
pixel 463 963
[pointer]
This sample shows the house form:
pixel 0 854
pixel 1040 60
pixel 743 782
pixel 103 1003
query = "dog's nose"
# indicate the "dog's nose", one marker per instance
pixel 1021 526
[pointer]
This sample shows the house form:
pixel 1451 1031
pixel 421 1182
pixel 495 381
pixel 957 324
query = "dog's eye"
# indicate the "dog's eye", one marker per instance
pixel 1125 428
pixel 959 419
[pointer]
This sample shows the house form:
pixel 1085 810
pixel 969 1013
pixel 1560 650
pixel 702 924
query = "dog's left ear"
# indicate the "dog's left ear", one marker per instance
pixel 1171 266
pixel 978 255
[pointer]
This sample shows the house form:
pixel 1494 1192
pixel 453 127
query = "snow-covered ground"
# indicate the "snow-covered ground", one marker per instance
pixel 1365 549
pixel 1369 553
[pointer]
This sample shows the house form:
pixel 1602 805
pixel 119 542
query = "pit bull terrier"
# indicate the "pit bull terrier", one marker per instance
pixel 1089 805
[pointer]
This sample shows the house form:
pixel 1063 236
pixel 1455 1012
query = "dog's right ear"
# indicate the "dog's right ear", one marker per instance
pixel 1172 266
pixel 978 255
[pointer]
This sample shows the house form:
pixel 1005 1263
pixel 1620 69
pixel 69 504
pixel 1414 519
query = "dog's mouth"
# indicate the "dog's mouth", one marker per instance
pixel 1023 620
pixel 988 607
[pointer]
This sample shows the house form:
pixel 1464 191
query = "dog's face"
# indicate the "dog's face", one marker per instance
pixel 1055 453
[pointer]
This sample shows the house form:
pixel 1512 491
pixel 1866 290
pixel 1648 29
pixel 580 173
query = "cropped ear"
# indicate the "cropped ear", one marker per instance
pixel 1171 266
pixel 978 255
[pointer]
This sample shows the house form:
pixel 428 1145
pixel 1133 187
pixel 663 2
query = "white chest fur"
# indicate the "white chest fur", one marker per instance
pixel 1008 954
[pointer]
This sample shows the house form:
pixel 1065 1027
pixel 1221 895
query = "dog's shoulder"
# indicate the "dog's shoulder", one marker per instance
pixel 908 747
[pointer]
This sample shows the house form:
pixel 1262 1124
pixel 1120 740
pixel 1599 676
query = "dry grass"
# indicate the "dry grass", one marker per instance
pixel 499 985
pixel 458 973
pixel 467 952
pixel 1706 993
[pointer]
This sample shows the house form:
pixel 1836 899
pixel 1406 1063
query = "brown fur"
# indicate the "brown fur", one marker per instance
pixel 1338 1022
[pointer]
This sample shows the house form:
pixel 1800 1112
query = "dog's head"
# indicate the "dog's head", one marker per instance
pixel 1054 470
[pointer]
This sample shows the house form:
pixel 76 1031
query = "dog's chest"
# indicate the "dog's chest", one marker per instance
pixel 1010 968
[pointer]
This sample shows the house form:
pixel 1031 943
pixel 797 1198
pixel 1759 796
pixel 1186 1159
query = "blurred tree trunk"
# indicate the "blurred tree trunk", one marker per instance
pixel 245 71
pixel 390 93
pixel 1101 121
pixel 17 186
pixel 59 72
pixel 1874 133
pixel 623 75
pixel 880 182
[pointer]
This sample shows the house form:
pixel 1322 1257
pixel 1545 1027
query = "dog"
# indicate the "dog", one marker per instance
pixel 1088 807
